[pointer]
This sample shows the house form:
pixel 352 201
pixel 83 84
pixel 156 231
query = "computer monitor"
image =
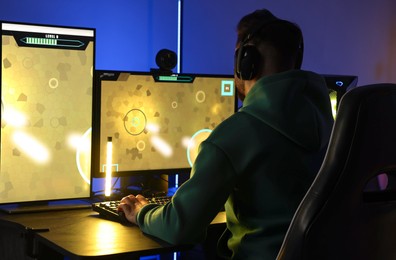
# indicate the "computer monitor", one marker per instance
pixel 46 112
pixel 157 122
pixel 338 85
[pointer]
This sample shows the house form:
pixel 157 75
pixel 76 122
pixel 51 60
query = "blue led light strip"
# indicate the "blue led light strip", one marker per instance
pixel 179 35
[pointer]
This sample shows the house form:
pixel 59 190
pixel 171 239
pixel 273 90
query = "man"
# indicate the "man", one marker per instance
pixel 260 161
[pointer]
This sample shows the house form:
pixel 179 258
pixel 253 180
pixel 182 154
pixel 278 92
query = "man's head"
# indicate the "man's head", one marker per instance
pixel 265 45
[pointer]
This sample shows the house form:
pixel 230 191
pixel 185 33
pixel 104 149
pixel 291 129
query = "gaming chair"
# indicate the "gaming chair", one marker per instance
pixel 349 212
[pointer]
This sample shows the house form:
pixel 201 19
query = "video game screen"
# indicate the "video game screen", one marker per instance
pixel 46 112
pixel 156 123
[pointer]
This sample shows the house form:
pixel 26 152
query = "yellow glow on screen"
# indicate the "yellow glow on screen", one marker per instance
pixel 154 128
pixel 83 153
pixel 216 109
pixel 186 141
pixel 14 118
pixel 31 147
pixel 79 142
pixel 162 146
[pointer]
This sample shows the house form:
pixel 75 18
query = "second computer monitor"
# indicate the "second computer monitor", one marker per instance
pixel 155 122
pixel 46 112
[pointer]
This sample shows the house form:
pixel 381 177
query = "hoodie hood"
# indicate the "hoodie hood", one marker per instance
pixel 295 103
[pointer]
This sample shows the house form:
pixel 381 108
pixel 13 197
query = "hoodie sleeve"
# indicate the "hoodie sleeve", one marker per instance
pixel 195 204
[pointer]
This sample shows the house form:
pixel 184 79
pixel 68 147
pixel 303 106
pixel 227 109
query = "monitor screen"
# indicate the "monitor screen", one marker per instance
pixel 156 123
pixel 338 85
pixel 46 112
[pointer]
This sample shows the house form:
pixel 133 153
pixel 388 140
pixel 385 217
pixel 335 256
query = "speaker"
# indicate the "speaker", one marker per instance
pixel 248 60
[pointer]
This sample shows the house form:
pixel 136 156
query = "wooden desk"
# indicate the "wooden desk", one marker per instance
pixel 80 234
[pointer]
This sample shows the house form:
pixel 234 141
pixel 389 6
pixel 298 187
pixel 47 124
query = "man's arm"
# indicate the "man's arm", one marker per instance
pixel 195 204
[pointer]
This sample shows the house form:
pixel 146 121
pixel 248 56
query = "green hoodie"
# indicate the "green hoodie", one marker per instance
pixel 259 163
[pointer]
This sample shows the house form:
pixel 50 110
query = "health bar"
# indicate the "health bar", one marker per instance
pixel 175 78
pixel 52 42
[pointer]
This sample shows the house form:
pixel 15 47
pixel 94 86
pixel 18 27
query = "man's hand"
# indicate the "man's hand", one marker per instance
pixel 131 205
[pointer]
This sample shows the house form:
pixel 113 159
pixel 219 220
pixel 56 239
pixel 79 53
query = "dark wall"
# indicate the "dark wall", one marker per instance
pixel 344 37
pixel 341 37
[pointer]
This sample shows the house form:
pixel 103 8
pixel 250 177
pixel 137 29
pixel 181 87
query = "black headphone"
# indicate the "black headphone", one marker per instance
pixel 248 59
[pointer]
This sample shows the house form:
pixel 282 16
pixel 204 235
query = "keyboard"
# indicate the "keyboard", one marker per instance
pixel 109 209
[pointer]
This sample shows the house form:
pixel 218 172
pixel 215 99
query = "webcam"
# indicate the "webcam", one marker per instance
pixel 166 61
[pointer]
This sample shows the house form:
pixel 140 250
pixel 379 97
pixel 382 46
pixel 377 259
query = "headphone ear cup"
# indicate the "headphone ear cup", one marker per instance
pixel 248 62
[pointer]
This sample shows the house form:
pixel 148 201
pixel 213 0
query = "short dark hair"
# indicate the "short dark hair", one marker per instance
pixel 262 27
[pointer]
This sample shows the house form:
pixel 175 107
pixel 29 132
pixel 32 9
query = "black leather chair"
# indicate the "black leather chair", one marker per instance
pixel 349 211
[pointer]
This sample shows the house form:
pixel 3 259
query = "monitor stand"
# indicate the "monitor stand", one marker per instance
pixel 38 206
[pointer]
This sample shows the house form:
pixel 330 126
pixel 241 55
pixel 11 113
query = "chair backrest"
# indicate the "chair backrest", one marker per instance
pixel 349 212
